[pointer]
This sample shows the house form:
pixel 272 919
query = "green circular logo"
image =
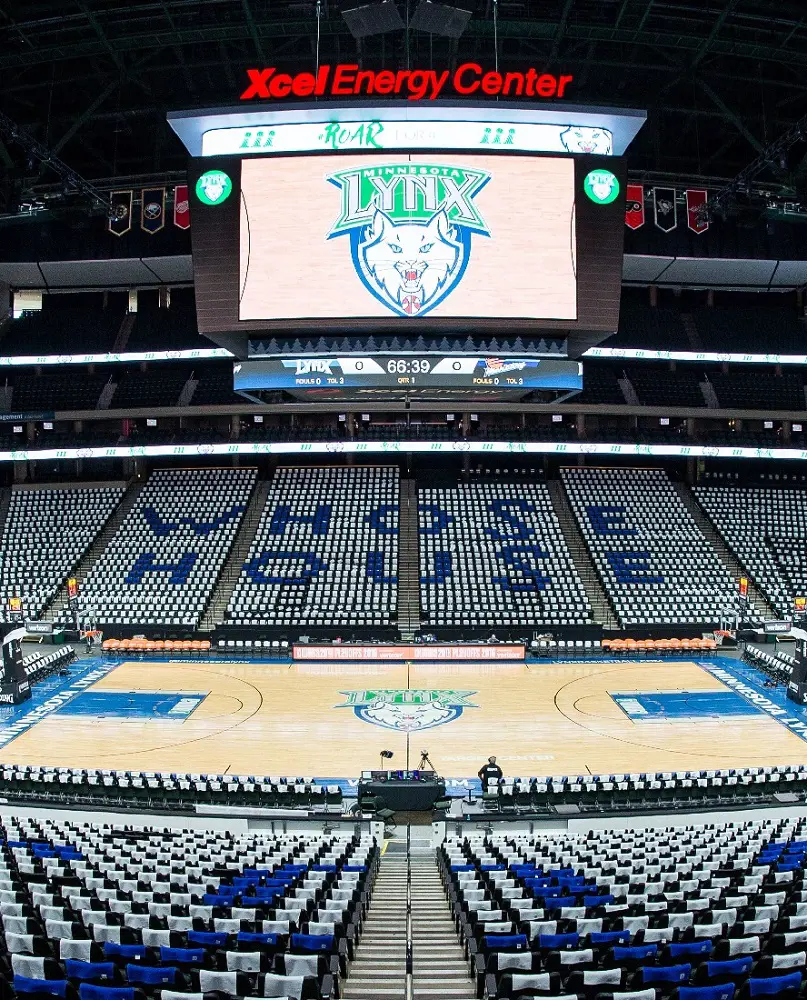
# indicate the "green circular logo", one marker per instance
pixel 601 186
pixel 213 187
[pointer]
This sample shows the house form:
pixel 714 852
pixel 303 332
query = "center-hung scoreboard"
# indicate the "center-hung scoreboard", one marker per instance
pixel 409 219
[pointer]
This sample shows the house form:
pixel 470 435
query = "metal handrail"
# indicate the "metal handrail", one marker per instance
pixel 409 989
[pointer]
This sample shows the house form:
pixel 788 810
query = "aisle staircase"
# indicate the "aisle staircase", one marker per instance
pixel 379 971
pixel 124 332
pixel 628 391
pixel 759 606
pixel 601 611
pixel 231 571
pixel 5 503
pixel 96 550
pixel 408 561
pixel 692 332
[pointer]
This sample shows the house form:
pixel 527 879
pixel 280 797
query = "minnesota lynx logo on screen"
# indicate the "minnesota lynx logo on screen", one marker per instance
pixel 410 228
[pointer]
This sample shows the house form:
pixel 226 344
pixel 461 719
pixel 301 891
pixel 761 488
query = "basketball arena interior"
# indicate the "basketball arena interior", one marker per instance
pixel 403 499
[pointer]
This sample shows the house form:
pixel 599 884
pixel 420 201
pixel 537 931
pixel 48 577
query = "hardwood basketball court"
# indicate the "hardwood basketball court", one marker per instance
pixel 332 720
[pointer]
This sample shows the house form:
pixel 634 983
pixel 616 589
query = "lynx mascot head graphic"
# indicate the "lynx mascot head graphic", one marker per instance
pixel 410 228
pixel 411 262
pixel 407 710
pixel 586 139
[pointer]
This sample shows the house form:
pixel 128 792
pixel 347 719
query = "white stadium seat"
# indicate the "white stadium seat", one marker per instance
pixel 46 532
pixel 656 565
pixel 492 553
pixel 325 552
pixel 767 530
pixel 164 561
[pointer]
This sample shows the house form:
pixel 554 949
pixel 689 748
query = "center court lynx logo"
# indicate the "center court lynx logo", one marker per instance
pixel 410 228
pixel 408 710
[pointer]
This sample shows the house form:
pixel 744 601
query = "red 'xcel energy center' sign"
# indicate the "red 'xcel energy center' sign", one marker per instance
pixel 347 80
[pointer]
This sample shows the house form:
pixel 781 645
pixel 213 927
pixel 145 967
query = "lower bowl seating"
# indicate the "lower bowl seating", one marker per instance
pixel 696 912
pixel 112 913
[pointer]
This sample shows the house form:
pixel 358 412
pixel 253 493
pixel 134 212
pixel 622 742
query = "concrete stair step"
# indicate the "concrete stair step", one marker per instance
pixel 440 969
pixel 428 990
pixel 377 972
pixel 376 991
pixel 447 962
pixel 383 961
pixel 444 965
pixel 436 980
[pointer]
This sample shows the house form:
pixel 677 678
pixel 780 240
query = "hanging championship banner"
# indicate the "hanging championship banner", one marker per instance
pixel 698 223
pixel 634 206
pixel 120 212
pixel 152 210
pixel 182 212
pixel 664 210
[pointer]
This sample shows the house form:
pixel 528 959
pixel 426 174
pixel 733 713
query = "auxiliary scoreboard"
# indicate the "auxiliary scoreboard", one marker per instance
pixel 409 372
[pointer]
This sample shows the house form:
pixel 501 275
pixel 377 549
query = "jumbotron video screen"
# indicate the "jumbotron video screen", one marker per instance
pixel 408 236
pixel 380 240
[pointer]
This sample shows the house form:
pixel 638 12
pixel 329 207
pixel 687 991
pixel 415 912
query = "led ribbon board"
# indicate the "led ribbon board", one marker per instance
pixel 501 127
pixel 266 139
pixel 402 448
pixel 200 354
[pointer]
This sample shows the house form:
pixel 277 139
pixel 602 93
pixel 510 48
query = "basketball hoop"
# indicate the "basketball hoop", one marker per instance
pixel 93 637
